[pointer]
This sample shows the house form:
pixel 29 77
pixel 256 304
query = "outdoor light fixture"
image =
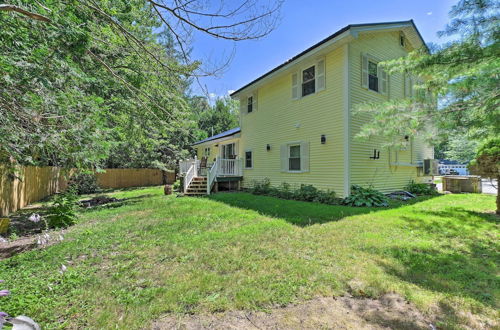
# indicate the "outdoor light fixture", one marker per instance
pixel 268 147
pixel 323 139
pixel 407 138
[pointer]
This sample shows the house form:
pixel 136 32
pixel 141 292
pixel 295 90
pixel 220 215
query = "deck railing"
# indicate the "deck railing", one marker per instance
pixel 229 167
pixel 184 165
pixel 211 176
pixel 191 173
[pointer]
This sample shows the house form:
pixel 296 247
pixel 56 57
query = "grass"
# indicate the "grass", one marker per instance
pixel 154 254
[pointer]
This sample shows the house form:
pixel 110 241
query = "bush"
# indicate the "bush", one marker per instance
pixel 420 188
pixel 261 187
pixel 307 193
pixel 84 183
pixel 62 213
pixel 365 197
pixel 177 185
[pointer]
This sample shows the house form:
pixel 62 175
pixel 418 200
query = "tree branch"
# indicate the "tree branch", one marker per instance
pixel 17 9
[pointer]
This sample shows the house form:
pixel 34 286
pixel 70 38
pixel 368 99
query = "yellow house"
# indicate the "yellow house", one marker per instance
pixel 297 124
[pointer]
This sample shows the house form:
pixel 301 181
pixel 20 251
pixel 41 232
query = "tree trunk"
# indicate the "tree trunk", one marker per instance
pixel 498 195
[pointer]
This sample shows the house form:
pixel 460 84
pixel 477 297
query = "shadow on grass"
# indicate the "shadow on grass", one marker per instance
pixel 297 212
pixel 464 262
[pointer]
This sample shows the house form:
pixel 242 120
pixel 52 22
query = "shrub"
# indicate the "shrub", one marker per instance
pixel 261 187
pixel 420 188
pixel 365 197
pixel 177 185
pixel 62 213
pixel 84 183
pixel 306 193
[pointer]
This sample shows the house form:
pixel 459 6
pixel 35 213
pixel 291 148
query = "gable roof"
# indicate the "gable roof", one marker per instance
pixel 220 135
pixel 329 38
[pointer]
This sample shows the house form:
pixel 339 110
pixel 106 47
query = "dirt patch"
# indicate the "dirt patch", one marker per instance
pixel 390 311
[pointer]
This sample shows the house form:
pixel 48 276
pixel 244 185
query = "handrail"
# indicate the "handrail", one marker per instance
pixel 230 167
pixel 190 174
pixel 212 175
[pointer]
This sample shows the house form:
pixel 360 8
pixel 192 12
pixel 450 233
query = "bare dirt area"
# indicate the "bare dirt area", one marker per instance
pixel 390 311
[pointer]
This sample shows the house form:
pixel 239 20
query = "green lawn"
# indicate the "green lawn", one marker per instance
pixel 155 254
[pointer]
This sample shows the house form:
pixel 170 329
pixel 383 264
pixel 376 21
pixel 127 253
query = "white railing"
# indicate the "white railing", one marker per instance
pixel 184 165
pixel 211 176
pixel 229 167
pixel 190 174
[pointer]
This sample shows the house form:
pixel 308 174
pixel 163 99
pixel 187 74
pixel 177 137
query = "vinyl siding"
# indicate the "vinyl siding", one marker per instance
pixel 275 120
pixel 363 170
pixel 215 148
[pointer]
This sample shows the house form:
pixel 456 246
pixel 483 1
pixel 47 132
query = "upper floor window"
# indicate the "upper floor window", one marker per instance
pixel 308 81
pixel 402 40
pixel 250 104
pixel 372 76
pixel 206 152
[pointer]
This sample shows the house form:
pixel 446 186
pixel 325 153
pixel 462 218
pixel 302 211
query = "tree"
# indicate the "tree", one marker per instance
pixel 460 82
pixel 487 163
pixel 220 117
pixel 85 80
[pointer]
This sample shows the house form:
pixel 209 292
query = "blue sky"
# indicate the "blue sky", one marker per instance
pixel 302 24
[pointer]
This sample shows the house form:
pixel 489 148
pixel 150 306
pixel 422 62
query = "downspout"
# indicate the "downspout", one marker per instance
pixel 347 121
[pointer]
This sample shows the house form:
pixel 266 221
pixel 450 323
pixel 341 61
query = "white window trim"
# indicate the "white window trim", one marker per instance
pixel 371 58
pixel 245 159
pixel 300 77
pixel 288 146
pixel 248 99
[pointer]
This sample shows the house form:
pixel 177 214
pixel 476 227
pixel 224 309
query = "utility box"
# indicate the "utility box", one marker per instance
pixel 459 184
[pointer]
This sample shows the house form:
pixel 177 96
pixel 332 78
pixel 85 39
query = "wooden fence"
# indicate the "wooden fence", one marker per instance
pixel 30 184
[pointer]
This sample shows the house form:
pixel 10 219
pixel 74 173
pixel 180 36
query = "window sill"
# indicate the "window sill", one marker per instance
pixel 315 93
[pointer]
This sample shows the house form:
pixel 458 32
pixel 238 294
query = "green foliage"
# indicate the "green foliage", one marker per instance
pixel 76 93
pixel 212 120
pixel 84 183
pixel 365 197
pixel 62 213
pixel 420 188
pixel 462 75
pixel 177 185
pixel 487 163
pixel 306 193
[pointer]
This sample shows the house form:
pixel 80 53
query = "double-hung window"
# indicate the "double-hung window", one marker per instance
pixel 206 152
pixel 248 159
pixel 372 76
pixel 250 104
pixel 294 157
pixel 308 81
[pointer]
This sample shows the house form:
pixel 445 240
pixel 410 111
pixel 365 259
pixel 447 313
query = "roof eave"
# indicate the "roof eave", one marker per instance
pixel 349 30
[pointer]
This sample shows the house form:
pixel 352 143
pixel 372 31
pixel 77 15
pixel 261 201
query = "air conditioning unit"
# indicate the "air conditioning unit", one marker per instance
pixel 431 167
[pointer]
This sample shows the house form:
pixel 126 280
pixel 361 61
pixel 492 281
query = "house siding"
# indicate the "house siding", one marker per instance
pixel 363 170
pixel 274 123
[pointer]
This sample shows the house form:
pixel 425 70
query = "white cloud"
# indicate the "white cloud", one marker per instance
pixel 212 95
pixel 231 91
pixel 429 13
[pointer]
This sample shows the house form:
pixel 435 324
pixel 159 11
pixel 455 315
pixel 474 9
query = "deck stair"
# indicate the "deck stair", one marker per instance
pixel 197 187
